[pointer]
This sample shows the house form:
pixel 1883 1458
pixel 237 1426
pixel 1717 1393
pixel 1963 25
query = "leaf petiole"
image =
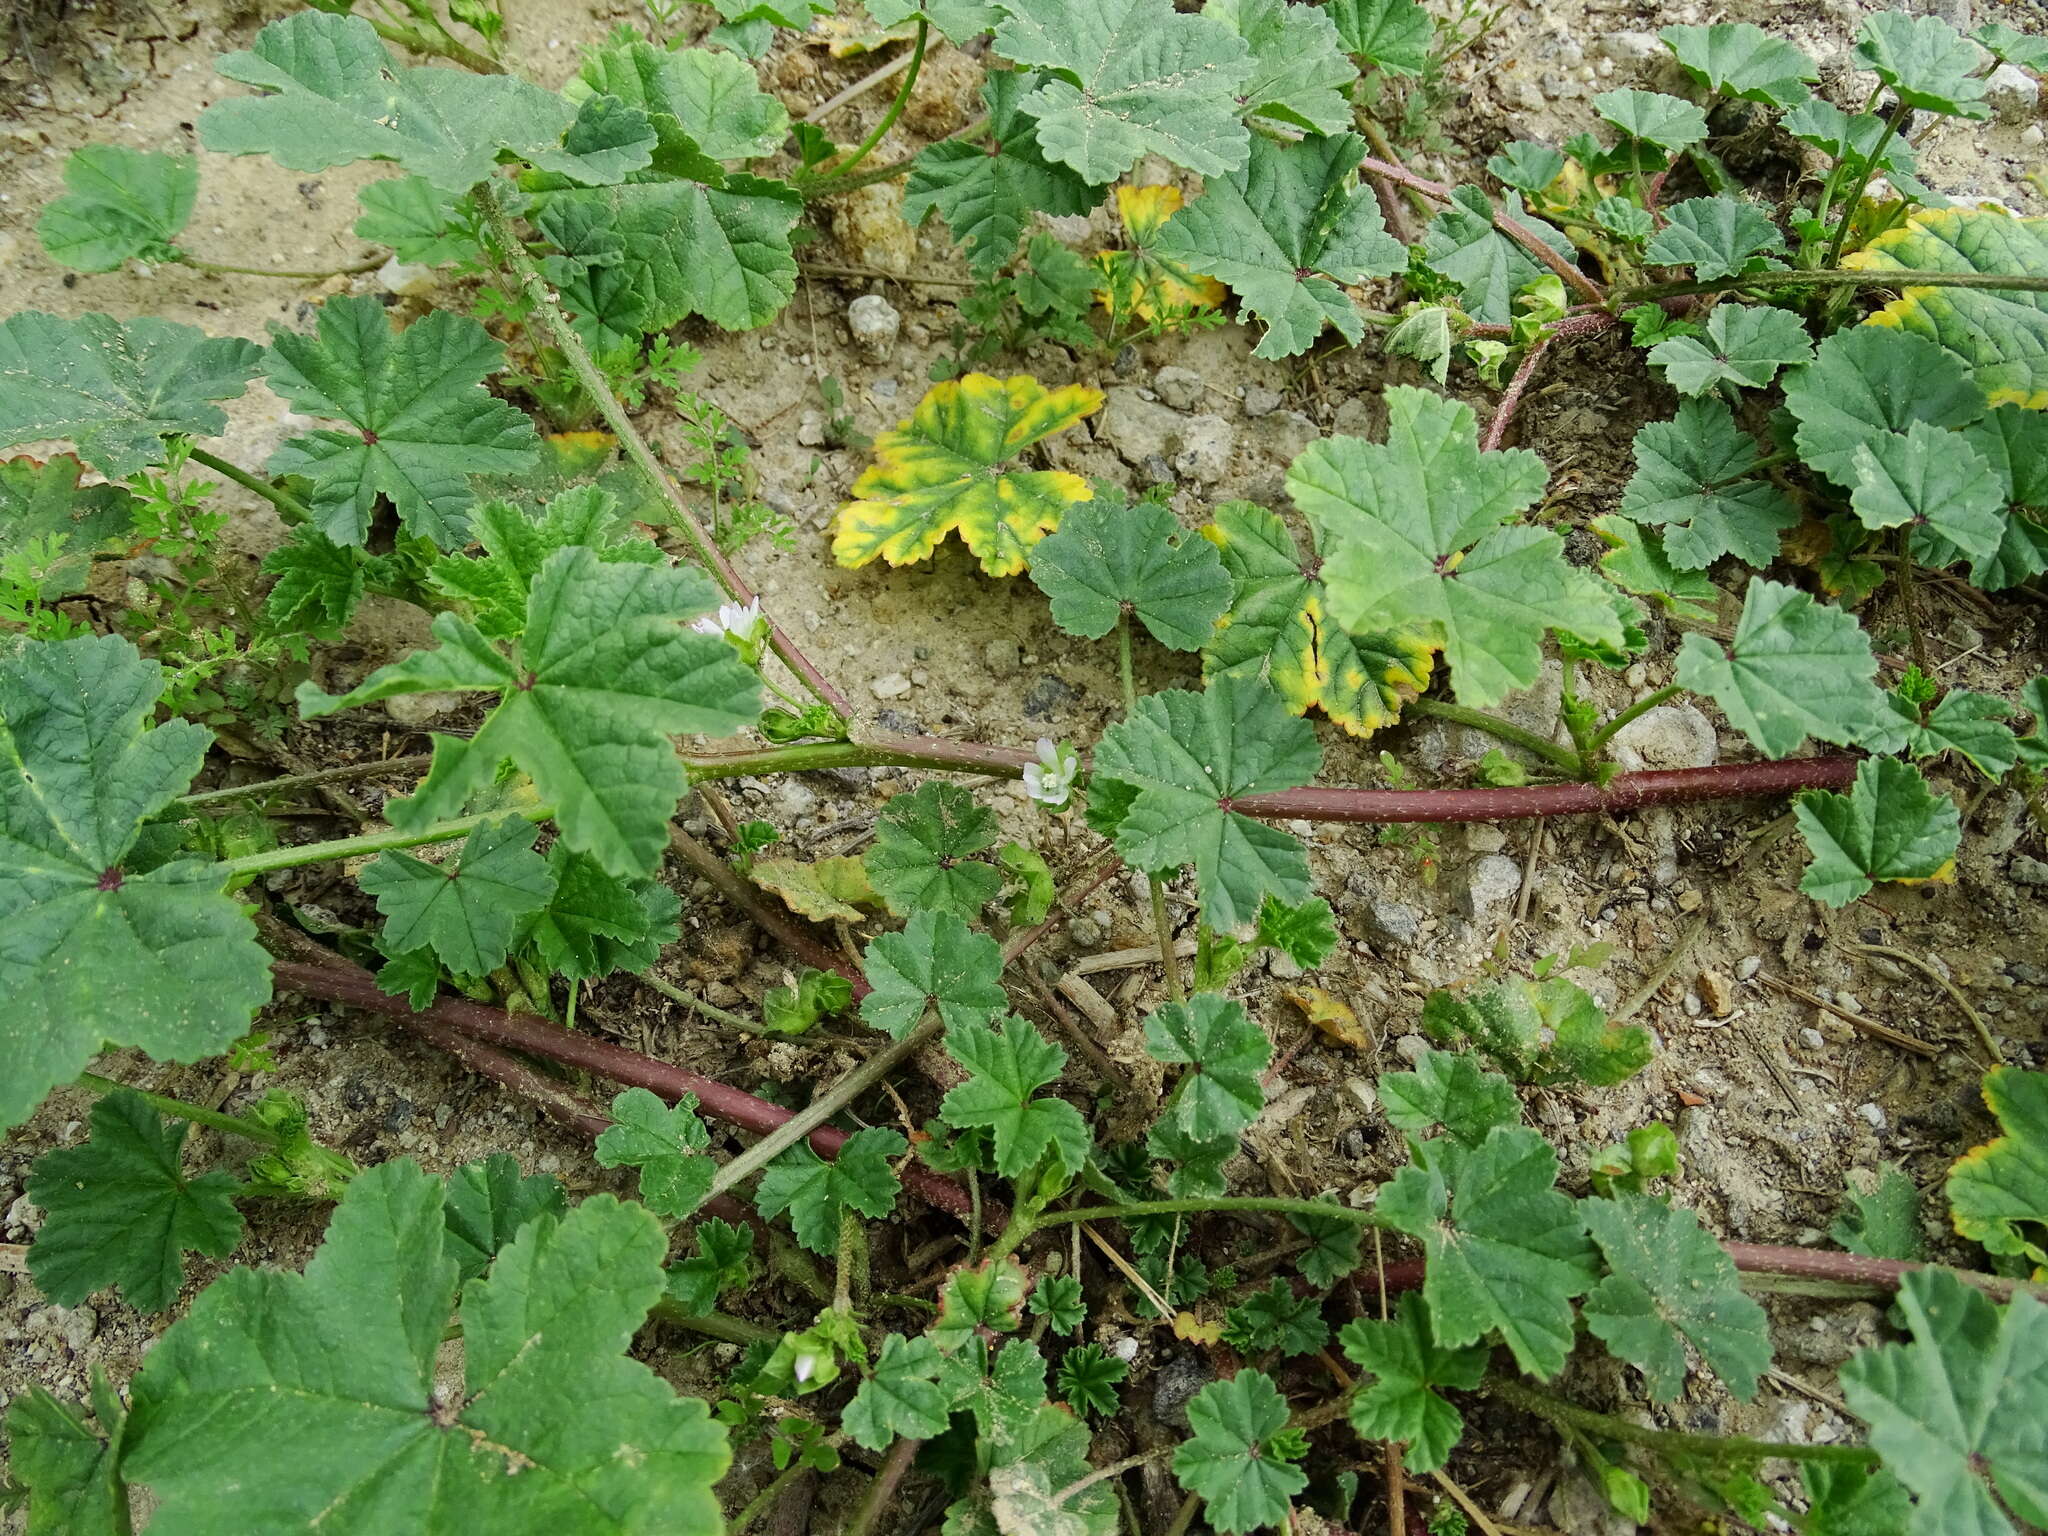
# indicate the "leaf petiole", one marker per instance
pixel 178 1109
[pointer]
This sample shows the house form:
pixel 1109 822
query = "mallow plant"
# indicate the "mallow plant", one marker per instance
pixel 1860 408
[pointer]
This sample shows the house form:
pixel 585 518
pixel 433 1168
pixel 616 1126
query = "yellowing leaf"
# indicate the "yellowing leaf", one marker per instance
pixel 830 888
pixel 1192 1330
pixel 1140 283
pixel 2001 333
pixel 1333 1019
pixel 949 467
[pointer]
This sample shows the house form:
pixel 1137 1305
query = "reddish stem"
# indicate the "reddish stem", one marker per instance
pixel 1518 386
pixel 1514 229
pixel 344 983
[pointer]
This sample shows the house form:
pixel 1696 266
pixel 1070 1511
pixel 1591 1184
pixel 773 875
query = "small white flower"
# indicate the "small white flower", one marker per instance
pixel 743 625
pixel 1050 780
pixel 804 1367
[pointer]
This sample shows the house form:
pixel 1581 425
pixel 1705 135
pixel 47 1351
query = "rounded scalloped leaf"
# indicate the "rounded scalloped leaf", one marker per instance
pixel 949 468
pixel 2001 333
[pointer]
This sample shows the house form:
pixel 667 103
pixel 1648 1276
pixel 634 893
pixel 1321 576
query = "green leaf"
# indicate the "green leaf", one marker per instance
pixel 815 1192
pixel 711 99
pixel 1109 557
pixel 1413 539
pixel 1088 1376
pixel 42 505
pixel 1462 245
pixel 1393 35
pixel 313 1397
pixel 1225 1054
pixel 1798 668
pixel 923 856
pixel 1334 1247
pixel 595 924
pixel 487 1205
pixel 792 1010
pixel 988 192
pixel 1995 1188
pixel 1238 1456
pixel 1284 232
pixel 1506 1251
pixel 1275 1318
pixel 984 1298
pixel 1927 63
pixel 120 1211
pixel 1637 562
pixel 422 421
pixel 1135 77
pixel 900 1397
pixel 1030 876
pixel 95 953
pixel 2014 442
pixel 119 204
pixel 685 248
pixel 1539 1031
pixel 1715 236
pixel 1301 75
pixel 1845 1499
pixel 1275 630
pixel 1734 58
pixel 69 1466
pixel 1669 1282
pixel 469 909
pixel 1407 1365
pixel 1650 117
pixel 1057 1299
pixel 592 694
pixel 1189 753
pixel 1305 933
pixel 666 1144
pixel 1884 1224
pixel 721 1263
pixel 319 582
pixel 332 95
pixel 951 467
pixel 1625 219
pixel 1968 1396
pixel 1526 166
pixel 2000 334
pixel 1867 382
pixel 1933 479
pixel 938 962
pixel 823 890
pixel 962 21
pixel 1006 1065
pixel 516 543
pixel 1198 1163
pixel 116 390
pixel 1749 344
pixel 1453 1091
pixel 421 223
pixel 1890 826
pixel 1687 478
pixel 2008 46
pixel 1965 723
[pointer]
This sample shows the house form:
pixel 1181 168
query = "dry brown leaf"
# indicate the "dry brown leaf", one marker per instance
pixel 1333 1019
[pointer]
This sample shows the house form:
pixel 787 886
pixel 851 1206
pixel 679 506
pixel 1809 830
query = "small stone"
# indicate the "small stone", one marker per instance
pixel 1175 1383
pixel 1085 932
pixel 1482 838
pixel 1871 1115
pixel 1261 401
pixel 1388 924
pixel 1205 447
pixel 1000 657
pixel 1813 1039
pixel 891 685
pixel 419 708
pixel 1748 966
pixel 1692 1005
pixel 1181 388
pixel 1411 1049
pixel 1669 736
pixel 1716 993
pixel 1137 428
pixel 1047 696
pixel 1490 884
pixel 2012 94
pixel 2027 975
pixel 810 429
pixel 874 324
pixel 2026 870
pixel 24 1215
pixel 80 1325
pixel 407 280
pixel 1362 1089
pixel 2031 136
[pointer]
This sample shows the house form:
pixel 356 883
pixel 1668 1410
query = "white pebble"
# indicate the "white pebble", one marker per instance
pixel 1872 1115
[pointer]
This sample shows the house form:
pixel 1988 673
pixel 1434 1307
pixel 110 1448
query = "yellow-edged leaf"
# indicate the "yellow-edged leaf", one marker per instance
pixel 1276 629
pixel 1192 1330
pixel 951 467
pixel 2001 333
pixel 829 888
pixel 1140 282
pixel 1332 1017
